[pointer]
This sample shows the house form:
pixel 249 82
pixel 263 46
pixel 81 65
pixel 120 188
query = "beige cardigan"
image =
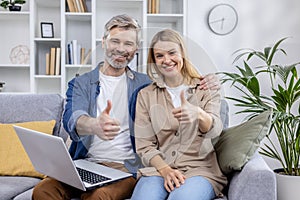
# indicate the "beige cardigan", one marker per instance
pixel 182 147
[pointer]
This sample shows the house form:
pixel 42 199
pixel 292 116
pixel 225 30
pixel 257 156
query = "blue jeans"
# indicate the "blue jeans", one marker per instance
pixel 152 188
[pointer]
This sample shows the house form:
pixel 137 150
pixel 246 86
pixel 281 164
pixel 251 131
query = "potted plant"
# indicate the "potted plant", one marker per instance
pixel 13 5
pixel 283 98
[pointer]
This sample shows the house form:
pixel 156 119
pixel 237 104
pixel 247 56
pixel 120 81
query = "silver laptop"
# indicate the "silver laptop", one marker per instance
pixel 49 156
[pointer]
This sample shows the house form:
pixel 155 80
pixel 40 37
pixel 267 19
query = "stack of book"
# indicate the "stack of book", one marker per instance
pixel 53 66
pixel 153 6
pixel 77 6
pixel 76 54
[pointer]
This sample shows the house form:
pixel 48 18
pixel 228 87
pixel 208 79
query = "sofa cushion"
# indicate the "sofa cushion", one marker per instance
pixel 11 186
pixel 237 144
pixel 13 158
pixel 32 107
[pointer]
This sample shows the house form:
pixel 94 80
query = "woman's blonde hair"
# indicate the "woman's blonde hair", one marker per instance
pixel 188 71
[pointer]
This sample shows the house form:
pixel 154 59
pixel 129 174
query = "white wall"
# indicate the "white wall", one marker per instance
pixel 261 23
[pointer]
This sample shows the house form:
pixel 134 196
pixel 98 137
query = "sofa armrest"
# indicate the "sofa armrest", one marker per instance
pixel 255 181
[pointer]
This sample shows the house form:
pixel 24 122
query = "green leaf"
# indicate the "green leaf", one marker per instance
pixel 248 70
pixel 20 1
pixel 241 53
pixel 253 86
pixel 274 50
pixel 4 4
pixel 269 151
pixel 294 70
pixel 242 71
pixel 267 51
pixel 257 54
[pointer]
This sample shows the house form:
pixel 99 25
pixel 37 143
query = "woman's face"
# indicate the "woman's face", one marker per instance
pixel 168 58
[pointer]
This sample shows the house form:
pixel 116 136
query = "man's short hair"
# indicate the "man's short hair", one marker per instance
pixel 122 21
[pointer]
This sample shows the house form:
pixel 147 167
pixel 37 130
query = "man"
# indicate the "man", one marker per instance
pixel 98 104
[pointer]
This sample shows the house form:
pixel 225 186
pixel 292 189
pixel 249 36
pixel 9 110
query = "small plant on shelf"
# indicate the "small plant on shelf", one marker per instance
pixel 13 5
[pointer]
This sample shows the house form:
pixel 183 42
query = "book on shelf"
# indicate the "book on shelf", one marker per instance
pixel 85 8
pixel 52 60
pixel 149 6
pixel 77 6
pixel 57 61
pixel 157 6
pixel 82 7
pixel 76 54
pixel 82 54
pixel 71 6
pixel 70 54
pixel 87 57
pixel 153 6
pixel 47 63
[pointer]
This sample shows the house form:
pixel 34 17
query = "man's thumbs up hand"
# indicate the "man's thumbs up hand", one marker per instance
pixel 108 127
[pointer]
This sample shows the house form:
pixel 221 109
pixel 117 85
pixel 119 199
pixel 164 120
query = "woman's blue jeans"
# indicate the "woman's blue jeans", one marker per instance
pixel 152 188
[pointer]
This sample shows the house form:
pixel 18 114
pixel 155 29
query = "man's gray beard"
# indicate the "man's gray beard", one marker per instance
pixel 114 64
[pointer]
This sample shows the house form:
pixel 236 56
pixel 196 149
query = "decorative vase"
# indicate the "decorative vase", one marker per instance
pixel 287 186
pixel 14 8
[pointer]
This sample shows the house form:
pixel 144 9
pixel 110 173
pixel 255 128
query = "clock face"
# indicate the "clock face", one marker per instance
pixel 222 19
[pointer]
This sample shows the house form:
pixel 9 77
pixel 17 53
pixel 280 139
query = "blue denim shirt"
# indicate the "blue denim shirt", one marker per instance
pixel 81 99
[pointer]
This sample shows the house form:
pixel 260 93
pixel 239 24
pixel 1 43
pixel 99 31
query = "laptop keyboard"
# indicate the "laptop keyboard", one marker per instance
pixel 91 177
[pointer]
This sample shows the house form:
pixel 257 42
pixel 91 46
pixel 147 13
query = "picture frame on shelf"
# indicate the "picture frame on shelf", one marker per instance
pixel 47 30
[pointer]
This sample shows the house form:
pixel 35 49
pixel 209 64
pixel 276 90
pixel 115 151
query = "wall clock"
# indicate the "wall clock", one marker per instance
pixel 222 19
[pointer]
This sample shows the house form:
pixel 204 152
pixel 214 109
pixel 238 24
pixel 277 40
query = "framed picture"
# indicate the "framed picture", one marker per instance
pixel 47 30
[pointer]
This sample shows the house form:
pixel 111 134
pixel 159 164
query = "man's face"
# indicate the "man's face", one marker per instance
pixel 120 47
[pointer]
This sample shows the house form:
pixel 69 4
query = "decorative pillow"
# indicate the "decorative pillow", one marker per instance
pixel 13 157
pixel 237 144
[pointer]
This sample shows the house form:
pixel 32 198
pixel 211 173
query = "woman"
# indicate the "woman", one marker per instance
pixel 174 124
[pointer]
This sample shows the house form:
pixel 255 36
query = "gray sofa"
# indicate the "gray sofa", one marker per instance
pixel 16 108
pixel 256 180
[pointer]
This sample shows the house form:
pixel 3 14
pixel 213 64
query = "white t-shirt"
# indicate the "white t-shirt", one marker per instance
pixel 175 94
pixel 120 148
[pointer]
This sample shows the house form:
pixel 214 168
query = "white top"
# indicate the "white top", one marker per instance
pixel 175 94
pixel 120 148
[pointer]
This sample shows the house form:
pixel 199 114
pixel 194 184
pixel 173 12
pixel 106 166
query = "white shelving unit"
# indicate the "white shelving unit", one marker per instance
pixel 86 28
pixel 14 50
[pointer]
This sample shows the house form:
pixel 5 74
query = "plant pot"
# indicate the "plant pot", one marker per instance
pixel 14 8
pixel 287 186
